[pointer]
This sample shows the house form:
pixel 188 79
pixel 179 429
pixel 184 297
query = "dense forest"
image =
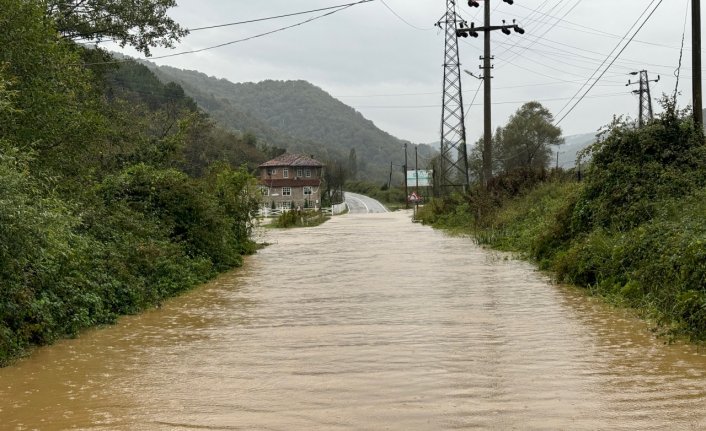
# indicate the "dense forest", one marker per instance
pixel 116 191
pixel 299 117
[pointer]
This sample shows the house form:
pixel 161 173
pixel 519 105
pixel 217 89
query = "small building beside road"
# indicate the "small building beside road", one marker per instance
pixel 291 181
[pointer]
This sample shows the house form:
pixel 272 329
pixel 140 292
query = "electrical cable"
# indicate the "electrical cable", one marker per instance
pixel 613 61
pixel 677 72
pixel 190 30
pixel 607 58
pixel 272 17
pixel 404 20
pixel 480 84
pixel 602 32
pixel 277 30
pixel 535 28
pixel 507 102
pixel 551 27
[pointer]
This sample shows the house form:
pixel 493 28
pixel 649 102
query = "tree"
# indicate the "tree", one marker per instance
pixel 525 142
pixel 56 104
pixel 475 156
pixel 141 24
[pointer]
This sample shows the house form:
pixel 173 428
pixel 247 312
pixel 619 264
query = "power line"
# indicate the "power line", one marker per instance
pixel 615 58
pixel 274 17
pixel 190 30
pixel 341 8
pixel 541 23
pixel 402 19
pixel 573 47
pixel 505 87
pixel 480 84
pixel 599 32
pixel 551 27
pixel 677 72
pixel 606 59
pixel 507 102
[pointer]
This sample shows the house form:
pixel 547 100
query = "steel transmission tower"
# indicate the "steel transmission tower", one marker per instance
pixel 453 169
pixel 645 112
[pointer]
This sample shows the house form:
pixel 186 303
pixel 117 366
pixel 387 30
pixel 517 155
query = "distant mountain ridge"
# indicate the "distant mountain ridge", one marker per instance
pixel 297 116
pixel 573 144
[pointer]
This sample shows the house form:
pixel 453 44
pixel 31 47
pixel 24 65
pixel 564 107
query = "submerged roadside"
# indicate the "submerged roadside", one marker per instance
pixel 633 231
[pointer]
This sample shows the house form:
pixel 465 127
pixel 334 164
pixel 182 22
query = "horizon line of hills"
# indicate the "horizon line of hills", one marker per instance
pixel 299 117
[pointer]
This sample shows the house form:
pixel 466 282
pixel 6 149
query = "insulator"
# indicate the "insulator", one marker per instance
pixel 519 29
pixel 509 1
pixel 473 3
pixel 506 31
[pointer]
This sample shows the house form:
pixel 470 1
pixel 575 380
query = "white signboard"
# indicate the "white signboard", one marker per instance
pixel 424 176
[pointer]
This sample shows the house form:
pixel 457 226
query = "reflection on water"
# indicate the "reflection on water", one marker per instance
pixel 366 322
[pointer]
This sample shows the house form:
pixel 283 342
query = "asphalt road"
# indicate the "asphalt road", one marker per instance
pixel 361 204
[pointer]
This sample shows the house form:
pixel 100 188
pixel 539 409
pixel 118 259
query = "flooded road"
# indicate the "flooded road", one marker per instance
pixel 368 322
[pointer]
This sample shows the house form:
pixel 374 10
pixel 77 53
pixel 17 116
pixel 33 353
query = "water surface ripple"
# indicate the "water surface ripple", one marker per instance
pixel 367 322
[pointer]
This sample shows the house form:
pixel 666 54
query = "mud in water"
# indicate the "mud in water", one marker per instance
pixel 367 322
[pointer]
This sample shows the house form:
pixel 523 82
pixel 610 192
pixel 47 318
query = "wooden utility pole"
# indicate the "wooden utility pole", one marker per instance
pixel 487 110
pixel 416 170
pixel 406 194
pixel 696 62
pixel 487 67
pixel 389 182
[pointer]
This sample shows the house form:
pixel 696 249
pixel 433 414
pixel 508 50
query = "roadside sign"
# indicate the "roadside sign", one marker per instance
pixel 425 177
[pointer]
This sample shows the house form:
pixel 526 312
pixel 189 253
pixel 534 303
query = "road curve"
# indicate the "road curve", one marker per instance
pixel 361 204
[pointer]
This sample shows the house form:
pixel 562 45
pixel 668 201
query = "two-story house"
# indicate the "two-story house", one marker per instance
pixel 291 181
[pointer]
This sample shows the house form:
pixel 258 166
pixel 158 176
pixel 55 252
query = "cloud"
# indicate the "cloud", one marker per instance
pixel 367 51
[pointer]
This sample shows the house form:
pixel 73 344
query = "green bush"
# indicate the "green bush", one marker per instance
pixel 633 232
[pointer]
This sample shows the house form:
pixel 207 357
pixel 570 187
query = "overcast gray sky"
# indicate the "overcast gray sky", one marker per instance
pixel 390 68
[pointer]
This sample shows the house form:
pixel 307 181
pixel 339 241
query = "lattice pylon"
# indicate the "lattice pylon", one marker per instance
pixel 454 156
pixel 645 98
pixel 645 112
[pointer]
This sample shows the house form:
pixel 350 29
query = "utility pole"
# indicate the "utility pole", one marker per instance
pixel 389 182
pixel 696 63
pixel 645 101
pixel 416 171
pixel 487 67
pixel 453 162
pixel 406 194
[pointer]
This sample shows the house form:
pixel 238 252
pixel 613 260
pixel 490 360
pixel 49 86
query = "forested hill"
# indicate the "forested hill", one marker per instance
pixel 295 115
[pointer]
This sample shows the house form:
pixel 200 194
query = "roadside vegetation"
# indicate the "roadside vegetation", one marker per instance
pixel 115 190
pixel 633 231
pixel 300 218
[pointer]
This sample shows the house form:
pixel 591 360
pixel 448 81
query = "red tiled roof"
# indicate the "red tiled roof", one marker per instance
pixel 291 182
pixel 292 160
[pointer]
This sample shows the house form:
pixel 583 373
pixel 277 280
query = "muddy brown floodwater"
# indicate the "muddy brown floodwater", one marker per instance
pixel 367 322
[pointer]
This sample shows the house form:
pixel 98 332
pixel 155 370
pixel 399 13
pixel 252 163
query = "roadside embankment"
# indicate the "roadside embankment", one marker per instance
pixel 634 231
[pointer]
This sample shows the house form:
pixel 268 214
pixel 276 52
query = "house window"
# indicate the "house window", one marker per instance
pixel 300 172
pixel 285 173
pixel 307 191
pixel 286 191
pixel 265 191
pixel 286 205
pixel 307 173
pixel 271 171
